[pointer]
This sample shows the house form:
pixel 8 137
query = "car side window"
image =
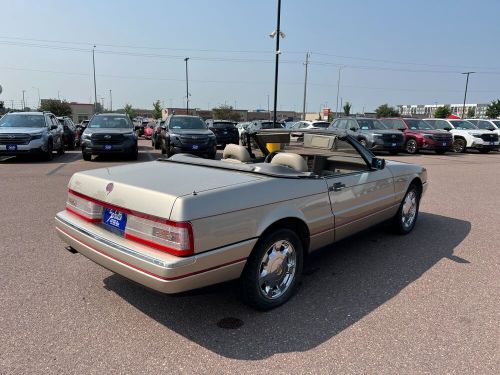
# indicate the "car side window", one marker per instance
pixel 48 121
pixel 352 124
pixel 340 124
pixel 484 125
pixel 303 125
pixel 343 159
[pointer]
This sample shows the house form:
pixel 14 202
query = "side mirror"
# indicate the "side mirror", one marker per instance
pixel 447 129
pixel 163 127
pixel 378 163
pixel 353 129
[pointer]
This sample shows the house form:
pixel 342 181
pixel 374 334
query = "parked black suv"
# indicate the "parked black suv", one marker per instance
pixel 187 134
pixel 108 134
pixel 371 133
pixel 69 135
pixel 225 131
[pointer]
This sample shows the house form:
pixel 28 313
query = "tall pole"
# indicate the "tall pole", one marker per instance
pixel 338 90
pixel 268 111
pixel 305 88
pixel 24 102
pixel 278 31
pixel 187 87
pixel 110 101
pixel 95 86
pixel 465 95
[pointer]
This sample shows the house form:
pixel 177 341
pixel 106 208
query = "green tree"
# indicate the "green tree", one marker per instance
pixel 493 110
pixel 225 112
pixel 471 112
pixel 442 112
pixel 347 108
pixel 129 110
pixel 157 110
pixel 385 110
pixel 57 107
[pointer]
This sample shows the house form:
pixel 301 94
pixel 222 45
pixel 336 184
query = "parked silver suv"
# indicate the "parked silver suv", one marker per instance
pixel 30 133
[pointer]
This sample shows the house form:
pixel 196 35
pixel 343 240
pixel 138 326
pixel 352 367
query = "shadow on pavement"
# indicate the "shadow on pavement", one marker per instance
pixel 341 285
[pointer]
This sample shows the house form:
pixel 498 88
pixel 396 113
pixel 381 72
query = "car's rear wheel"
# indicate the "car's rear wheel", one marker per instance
pixel 273 270
pixel 86 156
pixel 411 146
pixel 405 219
pixel 459 145
pixel 61 150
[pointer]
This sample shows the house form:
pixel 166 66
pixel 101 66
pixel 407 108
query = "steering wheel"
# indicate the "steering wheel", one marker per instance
pixel 270 157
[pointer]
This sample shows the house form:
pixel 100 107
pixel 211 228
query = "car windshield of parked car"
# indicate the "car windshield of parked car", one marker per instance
pixel 220 125
pixel 462 125
pixel 416 124
pixel 394 123
pixel 497 123
pixel 485 125
pixel 109 122
pixel 371 124
pixel 186 123
pixel 22 121
pixel 321 124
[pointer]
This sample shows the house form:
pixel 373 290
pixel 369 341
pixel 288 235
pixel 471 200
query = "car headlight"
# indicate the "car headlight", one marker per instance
pixel 377 135
pixel 36 136
pixel 476 135
pixel 86 136
pixel 428 136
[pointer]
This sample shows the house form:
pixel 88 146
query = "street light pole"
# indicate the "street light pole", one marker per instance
pixel 24 103
pixel 187 87
pixel 95 86
pixel 338 90
pixel 305 88
pixel 465 95
pixel 278 35
pixel 268 111
pixel 110 101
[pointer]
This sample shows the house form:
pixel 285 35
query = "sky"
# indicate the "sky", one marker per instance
pixel 390 51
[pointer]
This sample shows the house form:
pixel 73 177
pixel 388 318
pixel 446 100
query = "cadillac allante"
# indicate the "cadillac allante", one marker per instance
pixel 185 222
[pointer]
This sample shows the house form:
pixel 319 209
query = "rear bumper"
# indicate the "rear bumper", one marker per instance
pixel 154 269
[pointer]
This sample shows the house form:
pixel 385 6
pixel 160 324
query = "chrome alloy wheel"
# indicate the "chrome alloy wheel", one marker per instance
pixel 277 270
pixel 409 211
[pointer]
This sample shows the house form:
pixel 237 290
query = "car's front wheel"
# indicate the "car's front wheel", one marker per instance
pixel 405 219
pixel 459 145
pixel 86 156
pixel 48 155
pixel 273 270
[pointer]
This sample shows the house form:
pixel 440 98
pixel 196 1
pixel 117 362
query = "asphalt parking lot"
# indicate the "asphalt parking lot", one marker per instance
pixel 376 303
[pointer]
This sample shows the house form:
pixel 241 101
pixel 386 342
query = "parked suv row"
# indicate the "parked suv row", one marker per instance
pixel 31 133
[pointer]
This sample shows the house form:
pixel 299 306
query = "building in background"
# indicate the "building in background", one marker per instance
pixel 81 111
pixel 427 110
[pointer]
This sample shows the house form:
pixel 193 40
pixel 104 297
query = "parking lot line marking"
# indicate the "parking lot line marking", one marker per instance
pixel 58 168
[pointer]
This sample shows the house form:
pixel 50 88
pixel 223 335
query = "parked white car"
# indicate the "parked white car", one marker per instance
pixel 467 135
pixel 487 124
pixel 301 125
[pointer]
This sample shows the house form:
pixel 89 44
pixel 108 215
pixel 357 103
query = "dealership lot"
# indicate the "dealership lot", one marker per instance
pixel 376 303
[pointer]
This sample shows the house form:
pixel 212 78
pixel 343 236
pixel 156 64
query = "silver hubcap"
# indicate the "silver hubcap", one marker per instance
pixel 409 209
pixel 277 269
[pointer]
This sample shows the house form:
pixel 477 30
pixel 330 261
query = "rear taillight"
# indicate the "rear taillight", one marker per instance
pixel 87 210
pixel 172 237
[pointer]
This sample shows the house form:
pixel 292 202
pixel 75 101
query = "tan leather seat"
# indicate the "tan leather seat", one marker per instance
pixel 235 153
pixel 290 160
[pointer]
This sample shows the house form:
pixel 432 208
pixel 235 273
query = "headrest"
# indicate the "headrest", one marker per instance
pixel 290 160
pixel 232 151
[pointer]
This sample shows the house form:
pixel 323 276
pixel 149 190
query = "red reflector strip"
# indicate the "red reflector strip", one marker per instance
pixel 158 246
pixel 148 272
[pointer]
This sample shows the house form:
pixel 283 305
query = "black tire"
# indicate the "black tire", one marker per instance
pixel 49 155
pixel 411 146
pixel 251 282
pixel 459 145
pixel 61 150
pixel 399 225
pixel 484 150
pixel 86 156
pixel 168 149
pixel 440 152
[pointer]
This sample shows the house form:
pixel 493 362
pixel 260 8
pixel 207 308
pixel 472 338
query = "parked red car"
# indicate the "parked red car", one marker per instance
pixel 148 130
pixel 420 135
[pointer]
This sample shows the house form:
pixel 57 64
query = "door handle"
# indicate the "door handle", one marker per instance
pixel 338 186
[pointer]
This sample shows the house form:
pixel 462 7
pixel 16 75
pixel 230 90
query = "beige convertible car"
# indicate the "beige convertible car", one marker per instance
pixel 185 222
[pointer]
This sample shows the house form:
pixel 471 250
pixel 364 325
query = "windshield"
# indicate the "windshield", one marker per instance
pixel 415 124
pixel 461 124
pixel 321 124
pixel 109 122
pixel 220 125
pixel 22 121
pixel 497 123
pixel 485 125
pixel 394 124
pixel 186 123
pixel 371 124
